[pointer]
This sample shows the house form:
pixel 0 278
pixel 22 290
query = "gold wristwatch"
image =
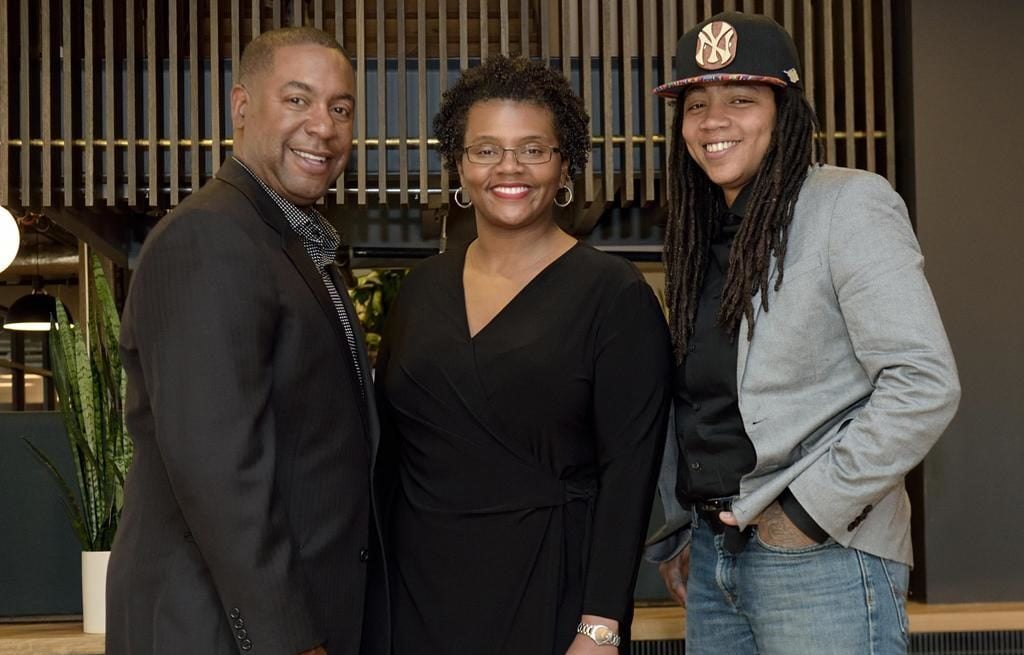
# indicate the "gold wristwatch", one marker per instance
pixel 601 634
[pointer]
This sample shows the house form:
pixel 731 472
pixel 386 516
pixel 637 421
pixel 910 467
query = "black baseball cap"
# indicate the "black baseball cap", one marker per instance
pixel 733 46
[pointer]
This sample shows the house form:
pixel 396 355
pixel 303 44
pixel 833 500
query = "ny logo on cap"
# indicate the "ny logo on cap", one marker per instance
pixel 716 45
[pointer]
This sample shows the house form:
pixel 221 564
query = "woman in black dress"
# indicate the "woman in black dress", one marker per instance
pixel 523 379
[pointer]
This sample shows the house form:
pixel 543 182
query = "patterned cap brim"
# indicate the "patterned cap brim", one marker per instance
pixel 673 89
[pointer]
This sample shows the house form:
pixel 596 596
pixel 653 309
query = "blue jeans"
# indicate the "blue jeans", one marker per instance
pixel 816 600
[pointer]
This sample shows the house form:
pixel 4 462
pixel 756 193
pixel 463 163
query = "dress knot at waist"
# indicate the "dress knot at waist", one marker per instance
pixel 539 492
pixel 580 489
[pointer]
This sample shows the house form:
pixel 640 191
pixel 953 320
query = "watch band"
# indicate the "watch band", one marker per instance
pixel 601 634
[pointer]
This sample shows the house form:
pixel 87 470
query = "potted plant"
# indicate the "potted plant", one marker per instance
pixel 90 382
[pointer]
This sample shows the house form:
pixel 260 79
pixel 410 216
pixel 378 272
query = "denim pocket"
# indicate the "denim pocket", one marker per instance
pixel 798 550
pixel 898 576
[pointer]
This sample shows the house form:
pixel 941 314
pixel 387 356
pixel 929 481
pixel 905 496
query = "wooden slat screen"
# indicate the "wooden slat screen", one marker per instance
pixel 25 97
pixel 174 91
pixel 152 106
pixel 5 92
pixel 109 87
pixel 216 113
pixel 108 102
pixel 88 107
pixel 46 108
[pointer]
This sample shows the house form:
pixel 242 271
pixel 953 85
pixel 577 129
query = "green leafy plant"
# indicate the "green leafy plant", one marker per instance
pixel 91 384
pixel 372 297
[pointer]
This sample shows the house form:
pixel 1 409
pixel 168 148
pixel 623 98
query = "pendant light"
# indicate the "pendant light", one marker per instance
pixel 10 238
pixel 34 312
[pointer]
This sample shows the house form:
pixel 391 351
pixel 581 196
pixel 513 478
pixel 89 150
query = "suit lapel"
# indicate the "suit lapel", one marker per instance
pixel 231 172
pixel 368 408
pixel 743 349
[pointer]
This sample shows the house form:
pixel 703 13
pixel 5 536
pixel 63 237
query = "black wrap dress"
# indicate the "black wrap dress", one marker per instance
pixel 526 455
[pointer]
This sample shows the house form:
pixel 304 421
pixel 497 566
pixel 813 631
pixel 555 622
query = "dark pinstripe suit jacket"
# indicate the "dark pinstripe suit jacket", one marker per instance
pixel 248 524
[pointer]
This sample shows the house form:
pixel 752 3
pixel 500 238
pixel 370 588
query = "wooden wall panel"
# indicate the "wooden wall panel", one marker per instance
pixel 382 110
pixel 88 105
pixel 174 102
pixel 421 99
pixel 442 46
pixel 608 104
pixel 151 56
pixel 109 93
pixel 403 108
pixel 196 119
pixel 216 91
pixel 131 93
pixel 587 83
pixel 887 90
pixel 152 108
pixel 339 34
pixel 5 57
pixel 361 106
pixel 626 82
pixel 67 111
pixel 24 96
pixel 45 105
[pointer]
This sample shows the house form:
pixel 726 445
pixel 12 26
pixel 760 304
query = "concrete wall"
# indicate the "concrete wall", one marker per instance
pixel 966 185
pixel 40 570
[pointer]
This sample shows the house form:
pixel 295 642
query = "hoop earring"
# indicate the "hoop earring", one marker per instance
pixel 568 199
pixel 464 203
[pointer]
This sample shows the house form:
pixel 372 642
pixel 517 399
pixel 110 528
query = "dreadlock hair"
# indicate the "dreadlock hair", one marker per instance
pixel 514 78
pixel 695 202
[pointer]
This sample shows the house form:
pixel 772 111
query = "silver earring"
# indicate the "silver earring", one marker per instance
pixel 568 198
pixel 463 202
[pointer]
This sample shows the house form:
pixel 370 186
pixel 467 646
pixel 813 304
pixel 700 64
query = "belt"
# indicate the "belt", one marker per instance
pixel 714 505
pixel 734 540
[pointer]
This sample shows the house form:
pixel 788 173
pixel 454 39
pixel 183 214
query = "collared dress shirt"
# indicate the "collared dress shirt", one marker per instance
pixel 321 242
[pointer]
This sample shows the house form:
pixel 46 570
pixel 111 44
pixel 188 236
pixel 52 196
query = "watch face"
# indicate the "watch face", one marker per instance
pixel 602 634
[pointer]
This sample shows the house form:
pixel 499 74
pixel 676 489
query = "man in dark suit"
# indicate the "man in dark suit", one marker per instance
pixel 248 524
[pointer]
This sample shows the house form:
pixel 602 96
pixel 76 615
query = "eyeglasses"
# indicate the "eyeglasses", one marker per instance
pixel 489 154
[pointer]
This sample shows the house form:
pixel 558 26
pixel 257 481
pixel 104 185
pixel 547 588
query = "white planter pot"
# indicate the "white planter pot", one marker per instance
pixel 94 591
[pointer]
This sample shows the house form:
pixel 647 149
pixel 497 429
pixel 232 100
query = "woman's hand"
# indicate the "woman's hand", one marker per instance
pixel 775 528
pixel 584 645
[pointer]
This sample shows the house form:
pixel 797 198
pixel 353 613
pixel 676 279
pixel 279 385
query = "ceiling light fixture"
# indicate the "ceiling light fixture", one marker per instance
pixel 10 238
pixel 34 312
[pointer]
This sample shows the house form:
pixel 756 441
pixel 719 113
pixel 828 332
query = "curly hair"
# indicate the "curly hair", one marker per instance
pixel 520 79
pixel 695 202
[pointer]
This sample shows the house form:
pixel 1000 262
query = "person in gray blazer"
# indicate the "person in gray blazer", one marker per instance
pixel 248 523
pixel 813 371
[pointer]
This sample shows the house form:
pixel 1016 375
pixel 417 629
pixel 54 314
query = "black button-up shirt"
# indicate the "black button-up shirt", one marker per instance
pixel 714 446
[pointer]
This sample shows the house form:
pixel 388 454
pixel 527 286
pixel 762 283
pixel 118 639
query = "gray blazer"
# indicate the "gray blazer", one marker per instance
pixel 848 380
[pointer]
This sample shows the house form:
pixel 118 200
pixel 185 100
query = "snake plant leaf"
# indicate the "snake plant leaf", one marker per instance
pixel 91 384
pixel 71 506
